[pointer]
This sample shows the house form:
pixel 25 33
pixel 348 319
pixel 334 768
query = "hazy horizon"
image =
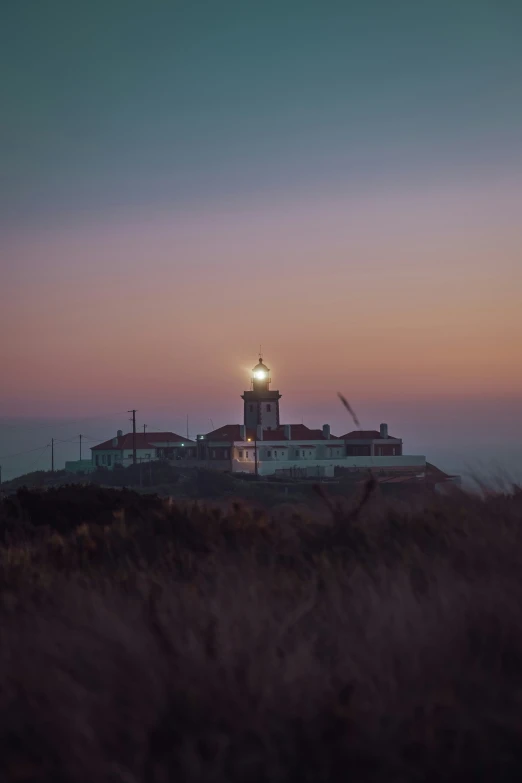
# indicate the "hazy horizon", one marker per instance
pixel 453 441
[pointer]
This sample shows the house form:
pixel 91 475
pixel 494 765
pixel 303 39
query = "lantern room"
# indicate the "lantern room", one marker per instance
pixel 260 377
pixel 261 403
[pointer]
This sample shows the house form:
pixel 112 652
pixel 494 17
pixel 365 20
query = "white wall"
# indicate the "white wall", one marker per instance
pixel 79 466
pixel 286 450
pixel 269 466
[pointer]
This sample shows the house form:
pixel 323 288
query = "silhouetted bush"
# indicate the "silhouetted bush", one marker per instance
pixel 149 641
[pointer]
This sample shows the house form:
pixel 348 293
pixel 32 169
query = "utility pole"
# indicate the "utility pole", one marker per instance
pixel 133 411
pixel 144 429
pixel 52 455
pixel 81 436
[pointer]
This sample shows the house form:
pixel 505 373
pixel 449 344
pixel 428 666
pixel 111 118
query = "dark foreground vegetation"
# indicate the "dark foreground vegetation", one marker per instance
pixel 142 641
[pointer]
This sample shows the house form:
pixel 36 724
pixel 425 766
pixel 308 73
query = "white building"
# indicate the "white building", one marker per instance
pixel 149 446
pixel 262 445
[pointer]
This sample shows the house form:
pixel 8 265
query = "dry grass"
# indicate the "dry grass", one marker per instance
pixel 150 642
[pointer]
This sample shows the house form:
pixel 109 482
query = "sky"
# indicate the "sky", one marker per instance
pixel 338 182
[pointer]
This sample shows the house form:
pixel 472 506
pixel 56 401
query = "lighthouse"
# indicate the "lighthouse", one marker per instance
pixel 261 403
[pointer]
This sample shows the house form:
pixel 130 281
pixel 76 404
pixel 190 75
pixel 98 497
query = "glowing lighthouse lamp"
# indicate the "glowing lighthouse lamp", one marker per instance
pixel 260 376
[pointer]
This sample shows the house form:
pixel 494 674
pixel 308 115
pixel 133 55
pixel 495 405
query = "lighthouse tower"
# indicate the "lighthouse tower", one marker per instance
pixel 261 403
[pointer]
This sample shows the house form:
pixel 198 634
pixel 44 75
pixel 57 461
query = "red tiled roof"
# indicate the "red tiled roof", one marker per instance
pixel 365 435
pixel 231 432
pixel 302 432
pixel 144 440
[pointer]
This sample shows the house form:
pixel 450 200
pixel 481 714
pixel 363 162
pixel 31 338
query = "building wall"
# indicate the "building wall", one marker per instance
pixel 107 458
pixel 290 450
pixel 176 452
pixel 79 466
pixel 269 466
pixel 252 414
pixel 306 471
pixel 214 454
pixel 218 453
pixel 277 455
pixel 264 412
pixel 358 451
pixel 380 450
pixel 381 447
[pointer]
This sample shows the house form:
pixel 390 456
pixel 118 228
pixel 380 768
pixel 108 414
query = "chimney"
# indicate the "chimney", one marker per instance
pixel 259 432
pixel 384 430
pixel 242 432
pixel 287 429
pixel 326 431
pixel 120 433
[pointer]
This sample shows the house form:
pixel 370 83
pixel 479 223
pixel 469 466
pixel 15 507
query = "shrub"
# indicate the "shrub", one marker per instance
pixel 146 640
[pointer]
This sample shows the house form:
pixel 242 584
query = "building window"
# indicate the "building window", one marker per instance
pixel 275 454
pixel 268 453
pixel 268 407
pixel 302 453
pixel 309 453
pixel 109 460
pixel 225 454
pixel 240 454
pixel 104 459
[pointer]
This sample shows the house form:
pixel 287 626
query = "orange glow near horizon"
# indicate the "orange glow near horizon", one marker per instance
pixel 412 295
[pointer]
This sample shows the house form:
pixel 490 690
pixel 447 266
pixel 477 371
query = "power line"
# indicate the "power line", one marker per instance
pixel 20 453
pixel 39 457
pixel 30 451
pixel 43 450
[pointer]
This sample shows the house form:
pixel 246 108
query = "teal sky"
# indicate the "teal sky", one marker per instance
pixel 108 104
